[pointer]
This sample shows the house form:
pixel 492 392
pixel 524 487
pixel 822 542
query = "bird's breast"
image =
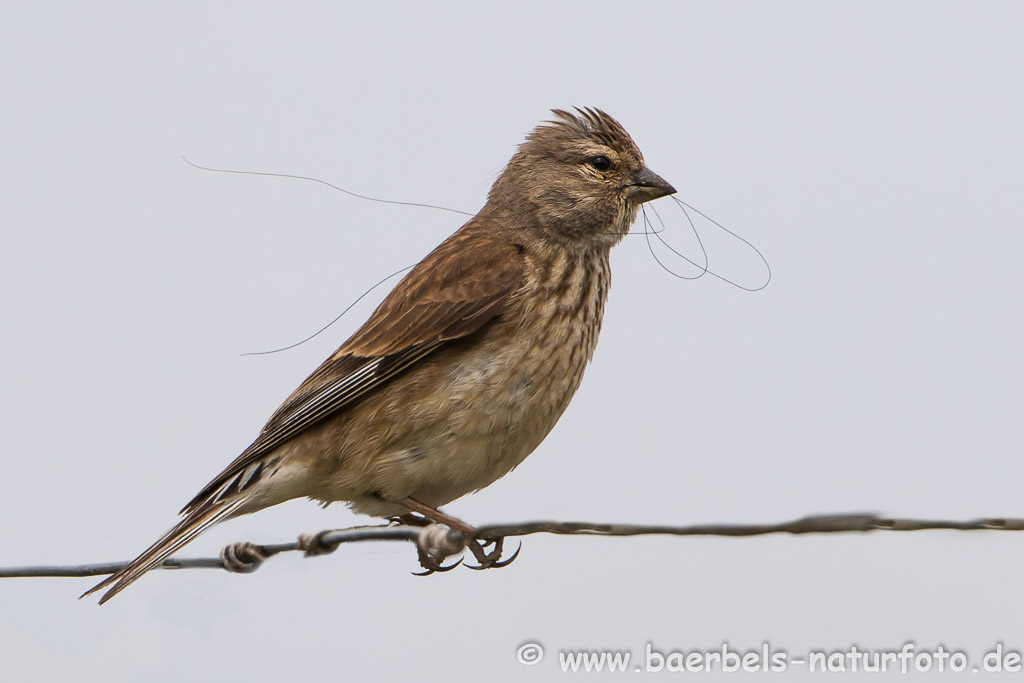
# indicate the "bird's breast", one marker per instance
pixel 518 379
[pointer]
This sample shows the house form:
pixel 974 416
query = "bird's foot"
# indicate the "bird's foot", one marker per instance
pixel 432 565
pixel 435 543
pixel 492 559
pixel 487 560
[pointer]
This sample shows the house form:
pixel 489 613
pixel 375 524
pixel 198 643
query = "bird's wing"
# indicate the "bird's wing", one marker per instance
pixel 456 290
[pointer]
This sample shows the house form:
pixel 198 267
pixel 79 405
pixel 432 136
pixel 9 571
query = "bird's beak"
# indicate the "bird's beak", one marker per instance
pixel 648 185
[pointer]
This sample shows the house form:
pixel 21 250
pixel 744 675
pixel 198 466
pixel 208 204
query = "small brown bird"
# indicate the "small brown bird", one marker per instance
pixel 467 364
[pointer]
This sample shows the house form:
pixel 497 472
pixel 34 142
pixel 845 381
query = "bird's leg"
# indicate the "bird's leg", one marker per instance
pixel 487 560
pixel 436 515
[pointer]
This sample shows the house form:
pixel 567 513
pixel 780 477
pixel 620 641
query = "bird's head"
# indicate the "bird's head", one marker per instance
pixel 577 178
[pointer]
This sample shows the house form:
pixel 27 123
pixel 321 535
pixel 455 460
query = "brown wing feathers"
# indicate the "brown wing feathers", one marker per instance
pixel 417 317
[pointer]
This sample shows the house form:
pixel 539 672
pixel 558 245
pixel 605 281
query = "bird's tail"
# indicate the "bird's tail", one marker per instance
pixel 184 532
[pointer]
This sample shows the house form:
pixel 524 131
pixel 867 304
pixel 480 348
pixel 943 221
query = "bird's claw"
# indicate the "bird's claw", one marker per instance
pixel 491 560
pixel 510 560
pixel 432 565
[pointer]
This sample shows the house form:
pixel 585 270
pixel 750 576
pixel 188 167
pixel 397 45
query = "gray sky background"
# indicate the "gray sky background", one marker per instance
pixel 872 151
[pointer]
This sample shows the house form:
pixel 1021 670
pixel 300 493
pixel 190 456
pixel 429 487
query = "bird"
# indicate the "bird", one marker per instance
pixel 466 365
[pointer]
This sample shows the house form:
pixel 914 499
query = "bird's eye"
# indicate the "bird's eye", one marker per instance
pixel 601 163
